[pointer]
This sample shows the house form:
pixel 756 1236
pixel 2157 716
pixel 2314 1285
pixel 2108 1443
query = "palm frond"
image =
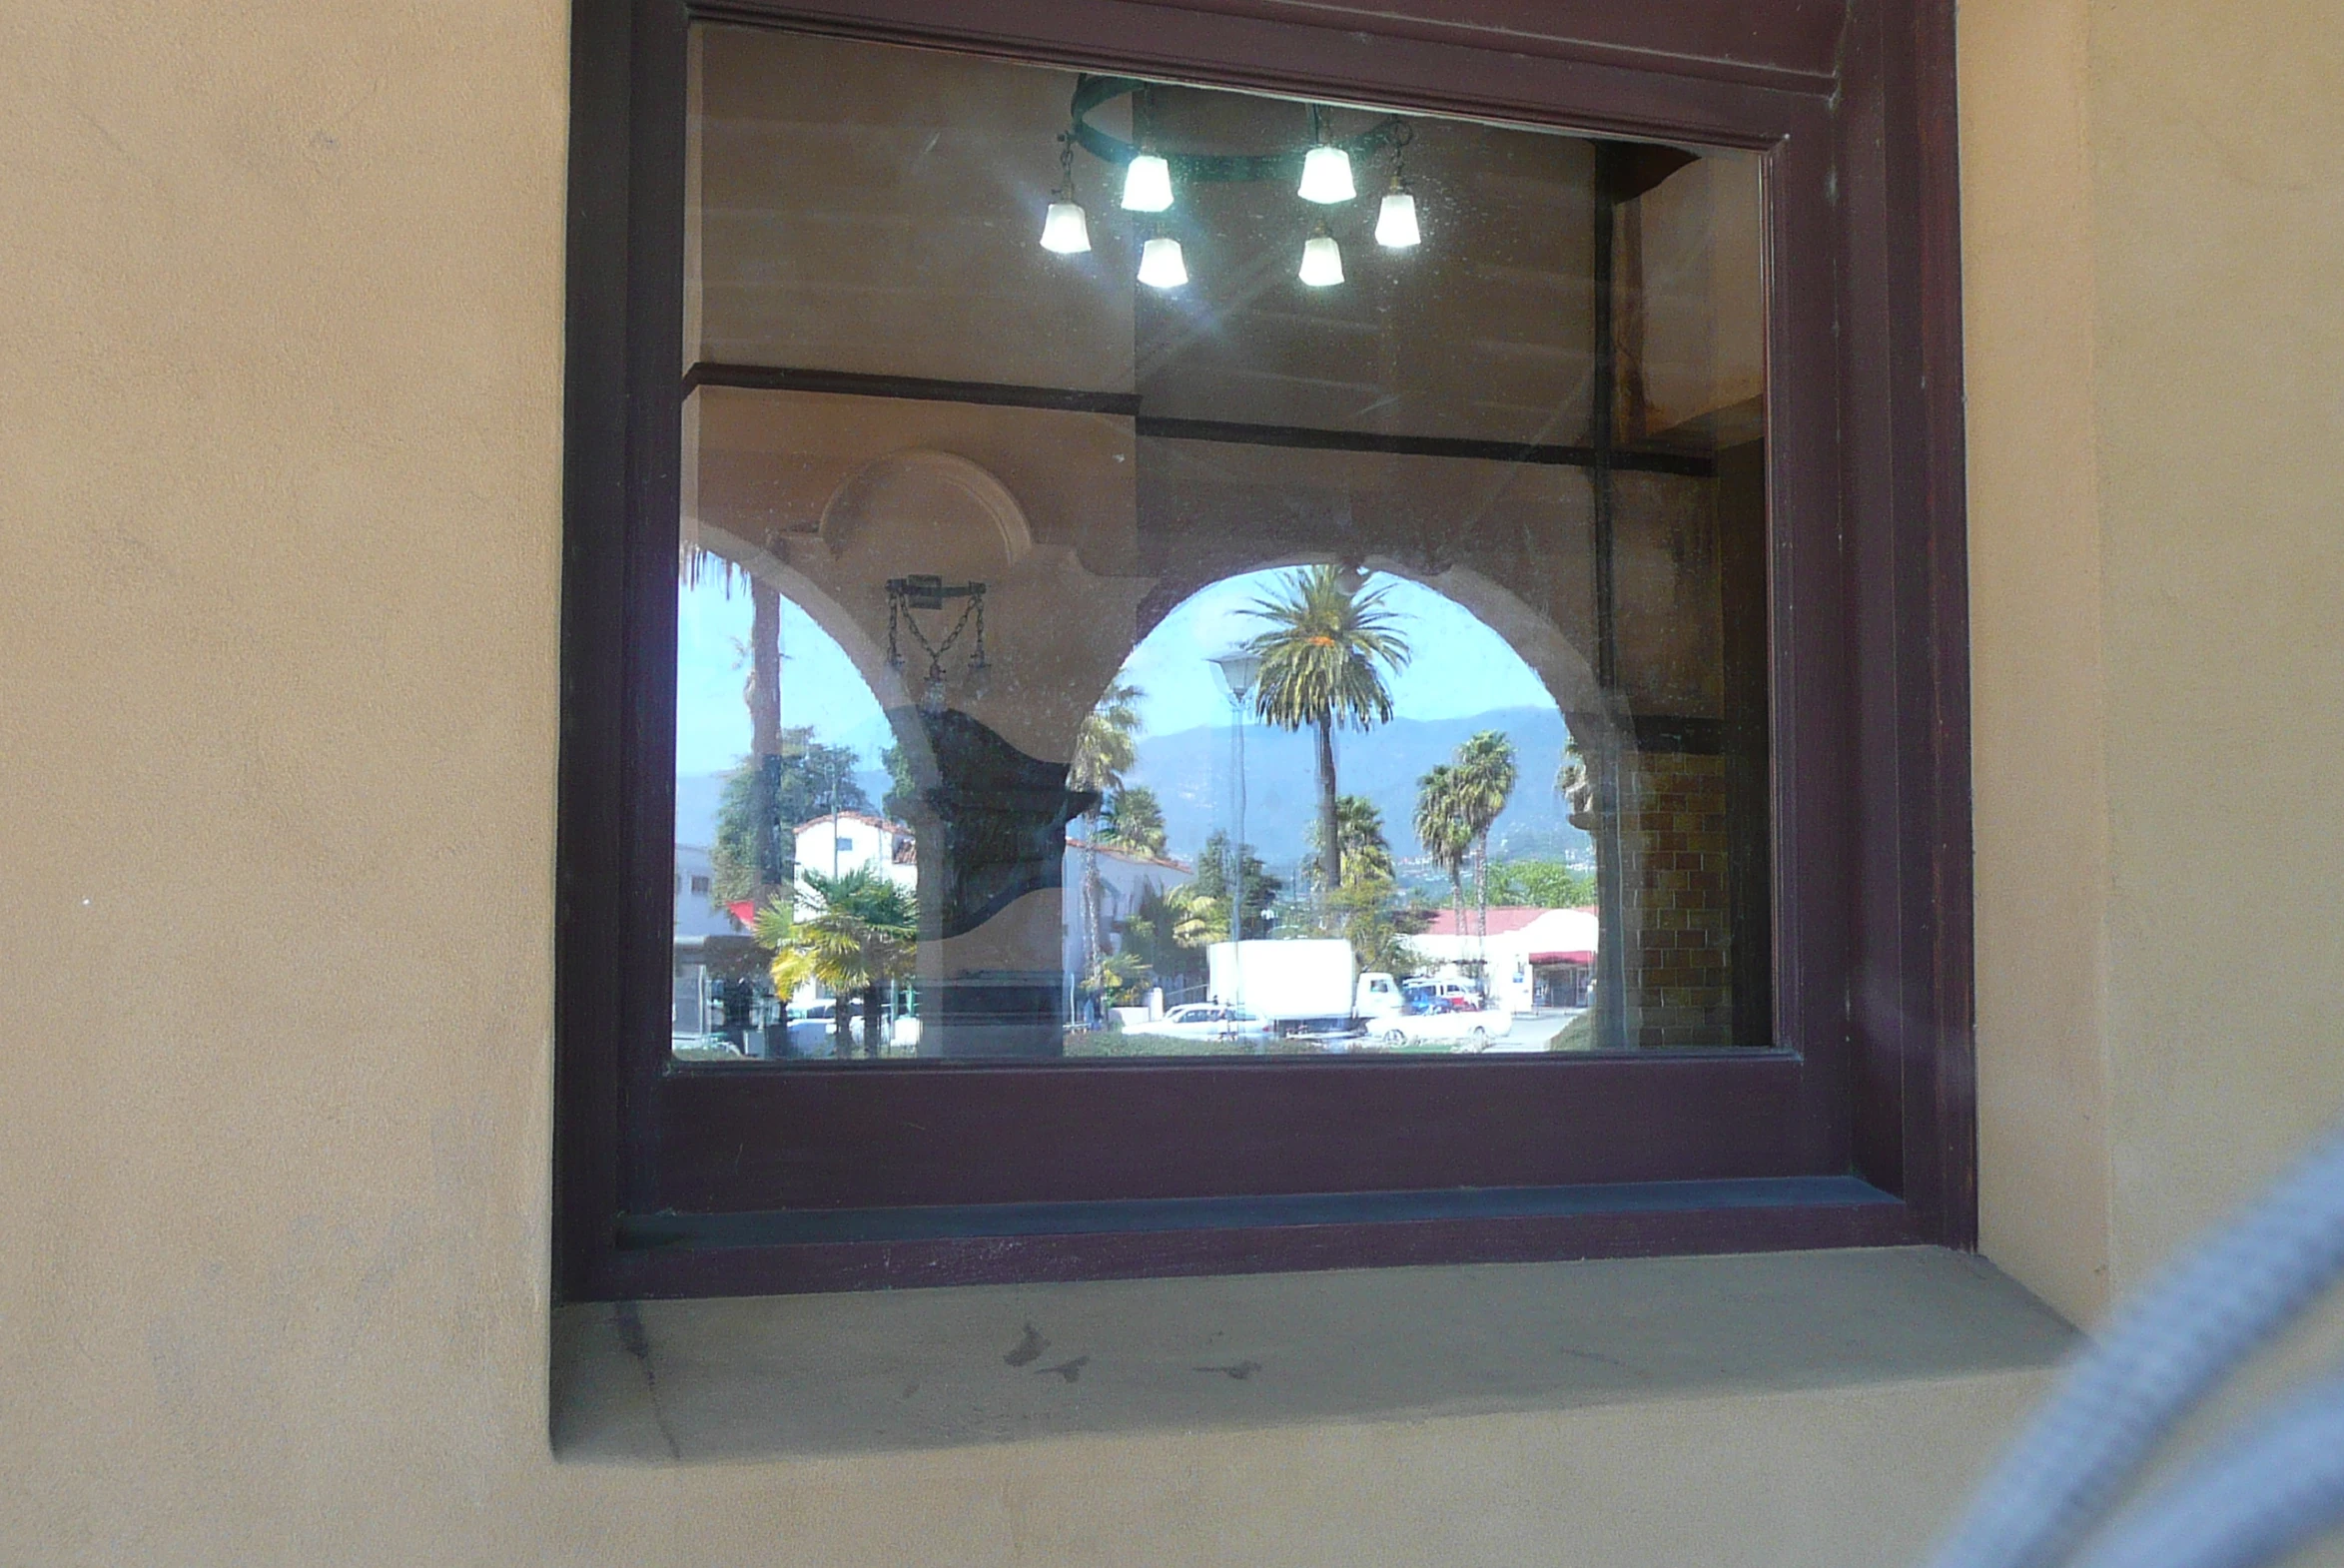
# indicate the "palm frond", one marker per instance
pixel 1327 653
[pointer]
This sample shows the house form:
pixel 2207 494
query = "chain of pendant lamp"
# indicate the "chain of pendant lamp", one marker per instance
pixel 1321 172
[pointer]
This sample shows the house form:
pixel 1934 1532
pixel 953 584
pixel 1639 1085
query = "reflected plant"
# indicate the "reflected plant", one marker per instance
pixel 854 932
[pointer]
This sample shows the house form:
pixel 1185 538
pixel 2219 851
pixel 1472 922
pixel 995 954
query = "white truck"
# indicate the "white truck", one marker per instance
pixel 1308 986
pixel 1313 987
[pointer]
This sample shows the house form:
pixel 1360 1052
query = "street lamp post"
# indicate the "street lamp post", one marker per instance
pixel 1239 668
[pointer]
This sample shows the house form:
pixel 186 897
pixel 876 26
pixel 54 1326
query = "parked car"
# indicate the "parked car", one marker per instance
pixel 1442 997
pixel 1210 1021
pixel 813 1029
pixel 1433 1022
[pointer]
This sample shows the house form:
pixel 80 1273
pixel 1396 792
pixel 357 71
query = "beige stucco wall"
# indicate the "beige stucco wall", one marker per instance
pixel 2153 226
pixel 279 525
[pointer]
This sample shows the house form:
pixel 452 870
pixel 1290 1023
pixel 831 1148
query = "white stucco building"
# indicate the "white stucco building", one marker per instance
pixel 846 840
pixel 1539 957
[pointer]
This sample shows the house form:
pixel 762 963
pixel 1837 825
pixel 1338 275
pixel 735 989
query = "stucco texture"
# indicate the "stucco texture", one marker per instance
pixel 2153 211
pixel 279 572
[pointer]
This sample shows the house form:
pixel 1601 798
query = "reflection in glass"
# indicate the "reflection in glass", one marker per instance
pixel 1250 621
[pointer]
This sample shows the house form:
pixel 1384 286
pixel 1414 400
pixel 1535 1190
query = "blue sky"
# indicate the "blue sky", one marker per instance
pixel 1461 668
pixel 820 685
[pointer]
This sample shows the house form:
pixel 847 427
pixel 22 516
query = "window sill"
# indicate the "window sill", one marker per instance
pixel 783 1376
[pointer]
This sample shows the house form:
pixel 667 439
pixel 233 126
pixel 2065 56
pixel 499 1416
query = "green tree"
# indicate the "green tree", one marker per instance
pixel 1324 661
pixel 1485 771
pixel 1104 745
pixel 854 932
pixel 1105 748
pixel 1549 883
pixel 1154 932
pixel 814 780
pixel 1211 888
pixel 1377 923
pixel 1120 979
pixel 1134 821
pixel 903 789
pixel 1576 785
pixel 1366 909
pixel 1444 829
pixel 1366 853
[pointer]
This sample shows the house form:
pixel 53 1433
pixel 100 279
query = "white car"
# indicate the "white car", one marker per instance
pixel 1209 1021
pixel 1462 1031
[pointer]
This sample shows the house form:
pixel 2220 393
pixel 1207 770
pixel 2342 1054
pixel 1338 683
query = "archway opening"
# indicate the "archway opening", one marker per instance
pixel 790 788
pixel 1453 840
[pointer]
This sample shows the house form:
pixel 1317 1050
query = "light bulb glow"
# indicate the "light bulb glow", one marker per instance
pixel 1395 221
pixel 1161 264
pixel 1322 262
pixel 1065 230
pixel 1326 176
pixel 1148 185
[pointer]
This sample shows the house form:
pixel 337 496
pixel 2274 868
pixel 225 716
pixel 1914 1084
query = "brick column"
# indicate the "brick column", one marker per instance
pixel 1678 945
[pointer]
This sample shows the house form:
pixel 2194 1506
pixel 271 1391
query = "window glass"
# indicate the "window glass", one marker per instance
pixel 1168 571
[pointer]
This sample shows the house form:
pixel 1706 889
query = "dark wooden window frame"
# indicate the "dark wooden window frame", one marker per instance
pixel 672 1181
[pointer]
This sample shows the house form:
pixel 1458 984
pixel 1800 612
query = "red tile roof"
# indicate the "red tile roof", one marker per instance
pixel 1502 917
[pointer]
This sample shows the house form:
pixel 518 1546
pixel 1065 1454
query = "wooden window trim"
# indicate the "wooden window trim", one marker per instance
pixel 1864 1135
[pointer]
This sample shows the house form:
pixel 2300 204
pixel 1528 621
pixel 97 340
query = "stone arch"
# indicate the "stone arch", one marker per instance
pixel 857 641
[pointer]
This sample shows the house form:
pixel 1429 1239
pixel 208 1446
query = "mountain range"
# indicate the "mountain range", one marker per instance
pixel 1190 771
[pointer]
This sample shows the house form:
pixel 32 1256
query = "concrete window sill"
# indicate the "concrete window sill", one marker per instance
pixel 782 1377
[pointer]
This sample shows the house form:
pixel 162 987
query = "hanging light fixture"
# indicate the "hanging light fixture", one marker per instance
pixel 1326 179
pixel 1322 260
pixel 1161 264
pixel 1395 221
pixel 1147 184
pixel 1326 176
pixel 1065 229
pixel 1326 168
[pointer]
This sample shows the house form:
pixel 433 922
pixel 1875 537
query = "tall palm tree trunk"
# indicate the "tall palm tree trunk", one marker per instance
pixel 764 726
pixel 1457 900
pixel 1481 889
pixel 1330 853
pixel 1093 933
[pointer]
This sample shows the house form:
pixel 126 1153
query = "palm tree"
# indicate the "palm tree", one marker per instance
pixel 1443 829
pixel 1485 772
pixel 1104 749
pixel 1323 662
pixel 1134 821
pixel 1366 853
pixel 1198 920
pixel 853 932
pixel 1576 785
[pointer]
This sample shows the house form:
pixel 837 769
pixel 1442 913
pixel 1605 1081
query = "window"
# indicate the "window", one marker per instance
pixel 1402 718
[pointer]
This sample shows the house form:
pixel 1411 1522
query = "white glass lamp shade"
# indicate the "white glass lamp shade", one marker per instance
pixel 1239 667
pixel 1065 230
pixel 1326 176
pixel 1322 262
pixel 1161 265
pixel 1395 221
pixel 1146 185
